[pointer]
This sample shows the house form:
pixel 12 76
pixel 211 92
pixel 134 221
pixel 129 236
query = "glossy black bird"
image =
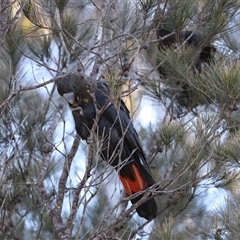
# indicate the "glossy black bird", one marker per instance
pixel 121 148
pixel 190 38
pixel 184 95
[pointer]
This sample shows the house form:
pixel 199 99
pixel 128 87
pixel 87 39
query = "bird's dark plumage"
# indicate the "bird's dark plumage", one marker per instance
pixel 190 38
pixel 200 56
pixel 122 149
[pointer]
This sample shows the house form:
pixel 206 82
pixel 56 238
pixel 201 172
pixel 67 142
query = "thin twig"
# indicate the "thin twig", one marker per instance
pixel 53 211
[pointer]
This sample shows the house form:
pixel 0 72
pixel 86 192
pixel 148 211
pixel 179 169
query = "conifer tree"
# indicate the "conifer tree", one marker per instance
pixel 179 55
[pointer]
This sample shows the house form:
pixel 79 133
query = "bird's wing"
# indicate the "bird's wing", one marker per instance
pixel 122 121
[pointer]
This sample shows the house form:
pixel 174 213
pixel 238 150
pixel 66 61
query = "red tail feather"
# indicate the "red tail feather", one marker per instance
pixel 136 185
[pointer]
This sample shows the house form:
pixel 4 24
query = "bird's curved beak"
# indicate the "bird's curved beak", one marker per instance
pixel 69 97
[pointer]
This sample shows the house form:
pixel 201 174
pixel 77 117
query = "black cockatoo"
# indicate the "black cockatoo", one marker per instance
pixel 203 55
pixel 122 149
pixel 190 38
